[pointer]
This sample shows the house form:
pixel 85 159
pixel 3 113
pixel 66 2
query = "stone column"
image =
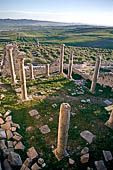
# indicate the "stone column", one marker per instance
pixel 64 120
pixel 109 123
pixel 47 69
pixel 62 58
pixel 31 71
pixel 21 57
pixel 9 49
pixel 95 75
pixel 70 67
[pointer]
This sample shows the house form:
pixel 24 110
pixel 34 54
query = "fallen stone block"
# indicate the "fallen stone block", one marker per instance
pixel 88 136
pixel 44 129
pixel 84 151
pixel 7 113
pixel 100 165
pixel 6 165
pixel 19 146
pixel 32 153
pixel 84 158
pixel 107 155
pixel 14 159
pixel 33 113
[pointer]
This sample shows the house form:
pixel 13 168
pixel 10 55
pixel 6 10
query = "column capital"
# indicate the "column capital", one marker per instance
pixel 62 45
pixel 9 47
pixel 21 55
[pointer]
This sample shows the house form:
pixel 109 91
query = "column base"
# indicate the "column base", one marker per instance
pixel 59 156
pixel 93 92
pixel 108 124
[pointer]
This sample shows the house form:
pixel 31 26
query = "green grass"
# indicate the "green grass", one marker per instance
pixel 88 117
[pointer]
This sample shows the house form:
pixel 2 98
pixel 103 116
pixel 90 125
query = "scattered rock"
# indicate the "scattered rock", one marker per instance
pixel 1 121
pixel 16 125
pixel 1 96
pixel 88 136
pixel 17 138
pixel 20 146
pixel 24 167
pixel 73 114
pixel 10 144
pixel 2 144
pixel 7 151
pixel 33 113
pixel 84 158
pixel 71 161
pixel 8 118
pixel 35 167
pixel 51 119
pixel 84 151
pixel 54 105
pixel 32 153
pixel 40 161
pixel 100 165
pixel 44 129
pixel 2 133
pixel 43 165
pixel 9 134
pixel 6 126
pixel 109 108
pixel 27 162
pixel 107 102
pixel 7 113
pixel 14 159
pixel 6 165
pixel 28 129
pixel 13 129
pixel 107 155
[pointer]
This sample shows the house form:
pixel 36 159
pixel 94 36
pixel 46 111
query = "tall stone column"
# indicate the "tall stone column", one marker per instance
pixel 62 58
pixel 9 49
pixel 47 69
pixel 95 75
pixel 31 71
pixel 64 120
pixel 70 67
pixel 21 57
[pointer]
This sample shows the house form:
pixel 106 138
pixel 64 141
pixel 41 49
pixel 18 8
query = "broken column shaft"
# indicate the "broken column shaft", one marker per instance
pixel 9 49
pixel 21 57
pixel 62 58
pixel 31 71
pixel 70 67
pixel 47 69
pixel 95 75
pixel 64 120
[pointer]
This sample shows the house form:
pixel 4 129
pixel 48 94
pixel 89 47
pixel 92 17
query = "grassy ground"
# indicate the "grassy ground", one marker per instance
pixel 89 116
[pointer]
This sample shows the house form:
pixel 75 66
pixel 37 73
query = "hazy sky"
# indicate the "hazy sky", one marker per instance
pixel 99 12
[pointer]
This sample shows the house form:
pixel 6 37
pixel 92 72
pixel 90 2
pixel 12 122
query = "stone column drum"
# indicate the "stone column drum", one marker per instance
pixel 47 69
pixel 109 123
pixel 95 75
pixel 62 58
pixel 31 71
pixel 9 49
pixel 70 65
pixel 21 57
pixel 64 120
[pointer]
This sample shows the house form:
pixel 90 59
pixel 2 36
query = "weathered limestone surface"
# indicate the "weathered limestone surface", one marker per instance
pixel 109 123
pixel 64 120
pixel 107 155
pixel 9 48
pixel 100 165
pixel 95 76
pixel 21 57
pixel 31 71
pixel 47 70
pixel 70 65
pixel 88 136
